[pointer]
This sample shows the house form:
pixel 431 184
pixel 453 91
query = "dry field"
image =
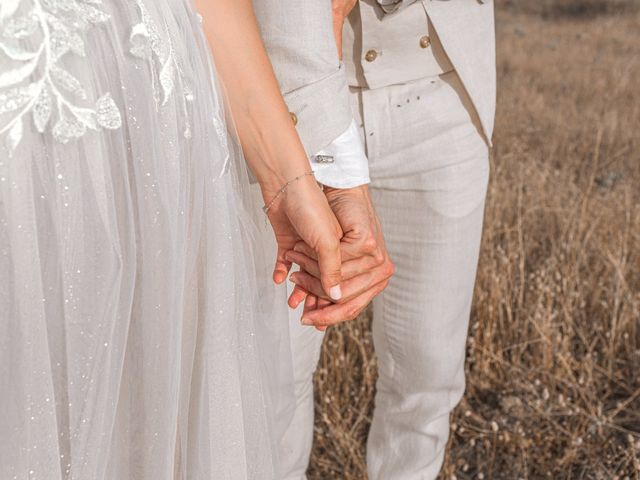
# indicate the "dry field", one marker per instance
pixel 554 348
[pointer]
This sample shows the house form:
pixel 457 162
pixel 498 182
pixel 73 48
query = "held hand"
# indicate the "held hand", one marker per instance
pixel 366 267
pixel 302 214
pixel 341 10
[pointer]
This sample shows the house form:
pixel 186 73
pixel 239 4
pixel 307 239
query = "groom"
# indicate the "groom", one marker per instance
pixel 417 89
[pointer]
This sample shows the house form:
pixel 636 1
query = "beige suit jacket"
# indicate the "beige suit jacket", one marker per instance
pixel 467 31
pixel 298 36
pixel 389 42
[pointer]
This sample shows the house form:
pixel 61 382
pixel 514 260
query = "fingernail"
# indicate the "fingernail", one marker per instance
pixel 335 292
pixel 306 321
pixel 293 278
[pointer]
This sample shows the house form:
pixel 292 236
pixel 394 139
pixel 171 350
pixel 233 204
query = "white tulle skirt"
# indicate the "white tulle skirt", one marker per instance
pixel 137 338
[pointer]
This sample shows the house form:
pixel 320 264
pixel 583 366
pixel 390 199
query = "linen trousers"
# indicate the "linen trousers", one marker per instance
pixel 429 169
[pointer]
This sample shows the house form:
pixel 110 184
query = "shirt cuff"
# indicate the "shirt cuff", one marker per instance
pixel 342 163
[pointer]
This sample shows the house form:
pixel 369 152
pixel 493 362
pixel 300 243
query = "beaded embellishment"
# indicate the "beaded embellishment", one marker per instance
pixel 37 82
pixel 147 43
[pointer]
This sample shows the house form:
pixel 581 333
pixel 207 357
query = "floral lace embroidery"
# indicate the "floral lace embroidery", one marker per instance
pixel 58 25
pixel 147 43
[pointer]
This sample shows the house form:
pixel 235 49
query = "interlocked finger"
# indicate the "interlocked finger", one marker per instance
pixel 350 288
pixel 338 313
pixel 349 269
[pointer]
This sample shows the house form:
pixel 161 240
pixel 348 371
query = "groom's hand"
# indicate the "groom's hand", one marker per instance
pixel 366 267
pixel 340 9
pixel 304 214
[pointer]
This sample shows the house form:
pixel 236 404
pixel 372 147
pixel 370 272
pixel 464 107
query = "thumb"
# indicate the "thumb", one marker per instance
pixel 330 263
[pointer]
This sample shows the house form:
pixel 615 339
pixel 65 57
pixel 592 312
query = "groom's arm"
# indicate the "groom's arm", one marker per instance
pixel 300 40
pixel 301 45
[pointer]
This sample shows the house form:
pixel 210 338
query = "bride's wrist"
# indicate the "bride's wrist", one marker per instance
pixel 274 169
pixel 300 188
pixel 272 147
pixel 280 169
pixel 271 184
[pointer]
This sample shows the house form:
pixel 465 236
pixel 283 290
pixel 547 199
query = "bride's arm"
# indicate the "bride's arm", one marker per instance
pixel 269 139
pixel 270 142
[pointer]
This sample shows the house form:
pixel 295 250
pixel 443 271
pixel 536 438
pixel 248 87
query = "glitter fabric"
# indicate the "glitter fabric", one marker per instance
pixel 136 313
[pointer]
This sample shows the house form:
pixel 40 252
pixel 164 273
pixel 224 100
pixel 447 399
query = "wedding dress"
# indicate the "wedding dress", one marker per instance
pixel 136 332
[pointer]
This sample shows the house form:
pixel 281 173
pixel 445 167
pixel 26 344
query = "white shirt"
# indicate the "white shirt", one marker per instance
pixel 349 167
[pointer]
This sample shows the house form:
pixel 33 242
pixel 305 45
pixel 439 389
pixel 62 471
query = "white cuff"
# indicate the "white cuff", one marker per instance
pixel 342 163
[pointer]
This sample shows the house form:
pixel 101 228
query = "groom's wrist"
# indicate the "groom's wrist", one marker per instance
pixel 343 163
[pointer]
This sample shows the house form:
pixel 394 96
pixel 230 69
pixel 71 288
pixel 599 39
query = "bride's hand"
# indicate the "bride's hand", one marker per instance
pixel 269 139
pixel 302 213
pixel 366 268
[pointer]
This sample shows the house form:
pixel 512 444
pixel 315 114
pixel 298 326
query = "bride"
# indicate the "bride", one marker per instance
pixel 136 339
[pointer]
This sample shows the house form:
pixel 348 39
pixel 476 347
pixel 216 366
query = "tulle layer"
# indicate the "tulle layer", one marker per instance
pixel 132 342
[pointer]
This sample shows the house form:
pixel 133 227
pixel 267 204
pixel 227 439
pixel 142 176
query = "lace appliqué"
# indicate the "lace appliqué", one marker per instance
pixel 147 43
pixel 38 84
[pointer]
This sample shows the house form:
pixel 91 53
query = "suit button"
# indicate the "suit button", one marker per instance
pixel 294 118
pixel 371 55
pixel 425 41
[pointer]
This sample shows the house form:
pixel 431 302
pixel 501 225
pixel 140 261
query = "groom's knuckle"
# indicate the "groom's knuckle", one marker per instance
pixel 369 244
pixel 378 257
pixel 389 269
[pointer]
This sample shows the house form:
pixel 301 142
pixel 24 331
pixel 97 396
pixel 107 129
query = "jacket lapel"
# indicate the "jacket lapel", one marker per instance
pixel 466 30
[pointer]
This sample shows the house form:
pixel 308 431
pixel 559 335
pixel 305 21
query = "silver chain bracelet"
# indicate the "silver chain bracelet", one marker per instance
pixel 284 188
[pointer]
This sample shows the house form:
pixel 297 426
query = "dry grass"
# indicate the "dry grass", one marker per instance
pixel 554 349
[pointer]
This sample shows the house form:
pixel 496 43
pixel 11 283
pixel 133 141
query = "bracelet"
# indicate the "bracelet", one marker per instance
pixel 284 188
